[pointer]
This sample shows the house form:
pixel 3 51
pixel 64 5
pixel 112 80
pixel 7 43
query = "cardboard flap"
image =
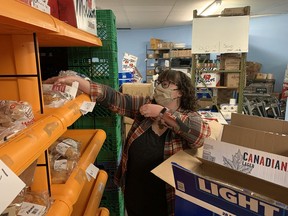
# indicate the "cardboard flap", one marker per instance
pixel 164 170
pixel 255 139
pixel 260 188
pixel 260 123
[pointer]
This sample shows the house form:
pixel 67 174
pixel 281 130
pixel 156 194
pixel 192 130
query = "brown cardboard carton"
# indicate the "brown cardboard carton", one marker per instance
pixel 260 123
pixel 231 80
pixel 139 89
pixel 154 43
pixel 232 64
pixel 201 185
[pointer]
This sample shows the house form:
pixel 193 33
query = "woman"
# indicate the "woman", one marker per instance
pixel 162 126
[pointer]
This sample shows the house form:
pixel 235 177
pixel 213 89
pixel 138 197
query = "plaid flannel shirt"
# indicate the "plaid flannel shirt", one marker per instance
pixel 190 132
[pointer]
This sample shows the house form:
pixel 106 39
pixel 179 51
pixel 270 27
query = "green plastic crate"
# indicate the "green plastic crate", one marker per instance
pixel 110 167
pixel 106 25
pixel 110 80
pixel 111 155
pixel 100 111
pixel 114 201
pixel 108 45
pixel 80 56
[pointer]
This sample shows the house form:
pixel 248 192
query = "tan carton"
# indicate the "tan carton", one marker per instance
pixel 231 80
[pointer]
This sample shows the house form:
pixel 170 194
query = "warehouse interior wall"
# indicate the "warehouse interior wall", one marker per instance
pixel 268 44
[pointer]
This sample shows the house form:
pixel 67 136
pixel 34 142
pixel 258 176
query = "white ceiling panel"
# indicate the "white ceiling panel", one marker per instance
pixel 135 14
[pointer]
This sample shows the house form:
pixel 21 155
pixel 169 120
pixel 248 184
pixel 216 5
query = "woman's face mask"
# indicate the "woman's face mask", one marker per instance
pixel 164 96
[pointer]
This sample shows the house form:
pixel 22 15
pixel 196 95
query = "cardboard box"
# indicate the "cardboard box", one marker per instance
pixel 208 188
pixel 205 104
pixel 263 165
pixel 260 123
pixel 209 79
pixel 205 188
pixel 154 43
pixel 248 147
pixel 54 10
pixel 232 64
pixel 150 72
pixel 139 89
pixel 284 90
pixel 231 80
pixel 127 128
pixel 238 11
pixel 166 55
pixel 79 13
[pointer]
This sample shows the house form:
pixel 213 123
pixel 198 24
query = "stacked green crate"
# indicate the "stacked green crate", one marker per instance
pixel 100 64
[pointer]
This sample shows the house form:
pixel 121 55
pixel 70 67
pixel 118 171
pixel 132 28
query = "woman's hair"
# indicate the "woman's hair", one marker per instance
pixel 184 84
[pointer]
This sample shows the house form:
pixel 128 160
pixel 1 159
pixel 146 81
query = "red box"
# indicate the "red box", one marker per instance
pixel 79 13
pixel 284 90
pixel 54 10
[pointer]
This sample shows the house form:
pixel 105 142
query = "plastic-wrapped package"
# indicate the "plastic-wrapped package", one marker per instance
pixel 72 73
pixel 55 99
pixel 36 203
pixel 66 147
pixel 64 154
pixel 14 117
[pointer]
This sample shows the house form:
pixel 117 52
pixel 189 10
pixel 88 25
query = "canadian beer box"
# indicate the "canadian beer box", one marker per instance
pixel 261 164
pixel 209 188
pixel 205 188
pixel 253 145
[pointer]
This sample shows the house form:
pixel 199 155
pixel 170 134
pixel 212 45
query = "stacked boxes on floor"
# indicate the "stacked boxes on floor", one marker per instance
pixel 101 65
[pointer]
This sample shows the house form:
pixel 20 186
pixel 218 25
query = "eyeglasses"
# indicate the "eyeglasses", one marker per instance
pixel 165 84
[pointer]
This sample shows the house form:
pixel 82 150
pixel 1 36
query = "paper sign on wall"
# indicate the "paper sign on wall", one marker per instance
pixel 129 62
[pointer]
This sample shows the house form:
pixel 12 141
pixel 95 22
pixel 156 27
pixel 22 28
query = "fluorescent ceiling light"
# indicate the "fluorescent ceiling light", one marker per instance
pixel 210 9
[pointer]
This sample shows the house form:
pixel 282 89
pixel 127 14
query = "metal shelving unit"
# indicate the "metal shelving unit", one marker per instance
pixel 241 71
pixel 157 57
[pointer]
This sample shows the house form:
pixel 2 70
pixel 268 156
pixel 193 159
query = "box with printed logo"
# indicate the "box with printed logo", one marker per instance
pixel 206 188
pixel 208 80
pixel 249 147
pixel 210 189
pixel 79 13
pixel 261 164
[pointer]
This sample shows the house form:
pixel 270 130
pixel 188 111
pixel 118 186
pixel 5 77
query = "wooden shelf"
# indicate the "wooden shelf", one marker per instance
pixel 19 18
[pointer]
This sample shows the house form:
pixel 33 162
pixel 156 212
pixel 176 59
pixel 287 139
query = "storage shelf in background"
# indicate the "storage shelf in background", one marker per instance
pixel 219 71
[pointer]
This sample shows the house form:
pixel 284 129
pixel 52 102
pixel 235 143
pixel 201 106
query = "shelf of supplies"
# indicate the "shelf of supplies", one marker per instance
pixel 219 71
pixel 160 49
pixel 28 145
pixel 19 18
pixel 219 87
pixel 182 57
pixel 159 58
pixel 256 95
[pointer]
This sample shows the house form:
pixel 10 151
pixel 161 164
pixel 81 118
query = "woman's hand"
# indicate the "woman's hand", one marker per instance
pixel 151 110
pixel 67 80
pixel 84 85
